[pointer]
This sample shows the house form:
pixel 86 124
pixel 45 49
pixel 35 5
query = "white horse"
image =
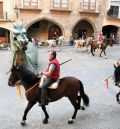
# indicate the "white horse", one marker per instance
pixel 52 42
pixel 88 43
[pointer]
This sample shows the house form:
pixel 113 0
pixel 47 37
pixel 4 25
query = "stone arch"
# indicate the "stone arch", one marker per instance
pixel 88 21
pixel 4 35
pixel 47 19
pixel 109 30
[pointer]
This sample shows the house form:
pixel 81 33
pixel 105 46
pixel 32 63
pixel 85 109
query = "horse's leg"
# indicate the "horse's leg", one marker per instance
pixel 92 49
pixel 117 97
pixel 76 107
pixel 29 106
pixel 79 103
pixel 101 52
pixel 45 121
pixel 87 49
pixel 105 54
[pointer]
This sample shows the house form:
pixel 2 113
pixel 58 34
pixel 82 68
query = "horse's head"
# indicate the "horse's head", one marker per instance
pixel 20 38
pixel 21 73
pixel 117 75
pixel 13 77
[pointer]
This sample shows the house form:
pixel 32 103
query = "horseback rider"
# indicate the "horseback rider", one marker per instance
pixel 84 36
pixel 100 39
pixel 50 76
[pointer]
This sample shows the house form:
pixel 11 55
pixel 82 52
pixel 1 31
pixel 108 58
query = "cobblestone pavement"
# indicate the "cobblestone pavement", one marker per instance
pixel 103 112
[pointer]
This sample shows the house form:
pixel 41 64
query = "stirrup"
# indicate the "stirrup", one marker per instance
pixel 48 99
pixel 43 103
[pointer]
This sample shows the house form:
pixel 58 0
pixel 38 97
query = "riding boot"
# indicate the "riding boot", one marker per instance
pixel 44 98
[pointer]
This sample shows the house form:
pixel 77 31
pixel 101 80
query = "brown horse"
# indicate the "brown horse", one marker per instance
pixel 95 46
pixel 68 87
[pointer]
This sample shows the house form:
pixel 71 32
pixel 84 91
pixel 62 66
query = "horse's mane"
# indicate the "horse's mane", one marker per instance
pixel 28 75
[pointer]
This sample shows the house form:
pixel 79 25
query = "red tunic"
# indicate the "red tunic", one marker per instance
pixel 56 72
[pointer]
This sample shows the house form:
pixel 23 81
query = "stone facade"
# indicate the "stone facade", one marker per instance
pixel 70 21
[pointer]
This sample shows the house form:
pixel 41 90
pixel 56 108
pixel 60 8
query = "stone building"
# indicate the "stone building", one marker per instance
pixel 45 18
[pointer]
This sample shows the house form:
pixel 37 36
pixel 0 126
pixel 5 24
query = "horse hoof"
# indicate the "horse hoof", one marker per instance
pixel 70 121
pixel 118 101
pixel 23 123
pixel 105 57
pixel 45 121
pixel 82 108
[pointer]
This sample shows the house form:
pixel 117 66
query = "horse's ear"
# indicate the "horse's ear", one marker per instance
pixel 115 66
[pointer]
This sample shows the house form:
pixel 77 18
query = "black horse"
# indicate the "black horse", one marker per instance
pixel 68 87
pixel 117 80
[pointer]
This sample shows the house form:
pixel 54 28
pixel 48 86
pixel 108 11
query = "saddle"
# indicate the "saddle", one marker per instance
pixel 53 86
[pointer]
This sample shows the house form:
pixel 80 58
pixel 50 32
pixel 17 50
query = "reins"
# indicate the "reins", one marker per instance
pixel 32 87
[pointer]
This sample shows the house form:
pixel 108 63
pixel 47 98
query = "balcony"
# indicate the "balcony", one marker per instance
pixel 60 7
pixel 30 6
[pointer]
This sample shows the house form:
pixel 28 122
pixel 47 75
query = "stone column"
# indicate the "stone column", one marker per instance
pixel 118 33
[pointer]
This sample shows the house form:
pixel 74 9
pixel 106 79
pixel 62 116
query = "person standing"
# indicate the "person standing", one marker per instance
pixel 84 36
pixel 50 75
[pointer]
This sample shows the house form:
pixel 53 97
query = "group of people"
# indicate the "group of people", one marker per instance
pixel 76 37
pixel 100 38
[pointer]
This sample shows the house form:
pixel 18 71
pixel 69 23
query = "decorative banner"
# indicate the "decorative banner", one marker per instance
pixel 106 80
pixel 19 92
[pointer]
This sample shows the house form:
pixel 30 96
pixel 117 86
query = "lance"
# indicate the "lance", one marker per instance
pixel 65 61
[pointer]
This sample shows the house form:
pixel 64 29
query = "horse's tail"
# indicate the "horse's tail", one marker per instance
pixel 83 95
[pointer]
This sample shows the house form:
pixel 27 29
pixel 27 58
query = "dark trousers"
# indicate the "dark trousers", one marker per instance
pixel 45 97
pixel 48 82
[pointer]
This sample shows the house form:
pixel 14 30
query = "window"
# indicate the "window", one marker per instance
pixel 60 3
pixel 89 4
pixel 114 10
pixel 2 32
pixel 1 9
pixel 30 3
